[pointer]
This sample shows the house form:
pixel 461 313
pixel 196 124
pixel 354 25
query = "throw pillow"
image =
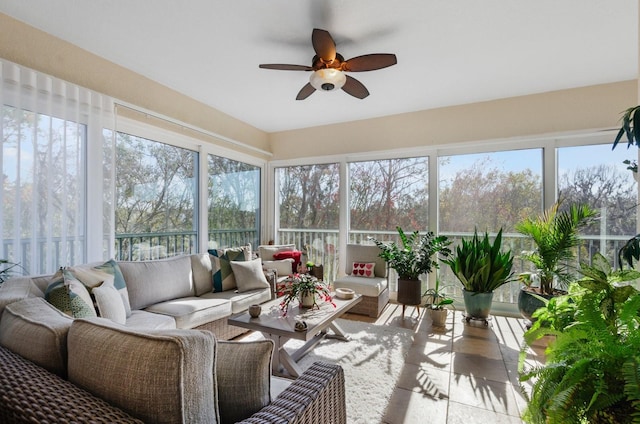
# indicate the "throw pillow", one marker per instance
pixel 223 278
pixel 243 371
pixel 111 267
pixel 109 303
pixel 249 275
pixel 293 254
pixel 69 295
pixel 283 267
pixel 268 250
pixel 363 269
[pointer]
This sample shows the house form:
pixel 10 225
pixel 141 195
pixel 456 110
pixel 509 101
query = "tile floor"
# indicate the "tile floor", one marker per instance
pixel 462 373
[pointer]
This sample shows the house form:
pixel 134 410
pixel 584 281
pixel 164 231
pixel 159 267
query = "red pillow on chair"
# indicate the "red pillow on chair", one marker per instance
pixel 289 254
pixel 363 269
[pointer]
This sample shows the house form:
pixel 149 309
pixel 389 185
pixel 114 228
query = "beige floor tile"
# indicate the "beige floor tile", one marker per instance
pixel 432 355
pixel 477 346
pixel 479 367
pixel 408 407
pixel 465 414
pixel 425 380
pixel 483 393
pixel 460 374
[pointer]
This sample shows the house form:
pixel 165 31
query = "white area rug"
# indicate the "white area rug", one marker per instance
pixel 372 362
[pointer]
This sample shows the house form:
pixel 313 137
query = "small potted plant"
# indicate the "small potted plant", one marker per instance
pixel 436 300
pixel 304 288
pixel 481 267
pixel 411 258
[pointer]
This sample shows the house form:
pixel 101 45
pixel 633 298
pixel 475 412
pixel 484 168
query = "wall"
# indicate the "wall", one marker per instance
pixel 589 108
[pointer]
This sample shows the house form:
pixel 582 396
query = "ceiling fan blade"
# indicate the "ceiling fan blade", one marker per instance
pixel 370 62
pixel 285 67
pixel 306 91
pixel 355 88
pixel 324 45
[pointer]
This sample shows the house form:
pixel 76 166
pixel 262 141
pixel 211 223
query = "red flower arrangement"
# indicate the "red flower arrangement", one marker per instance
pixel 298 285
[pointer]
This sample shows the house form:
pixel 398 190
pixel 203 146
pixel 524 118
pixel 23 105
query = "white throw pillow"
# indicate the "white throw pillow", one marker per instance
pixel 283 267
pixel 110 304
pixel 249 275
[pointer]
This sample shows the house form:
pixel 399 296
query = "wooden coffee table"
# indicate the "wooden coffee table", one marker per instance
pixel 281 329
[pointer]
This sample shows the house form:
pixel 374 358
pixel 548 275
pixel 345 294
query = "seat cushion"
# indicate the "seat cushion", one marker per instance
pixel 143 320
pixel 365 286
pixel 240 302
pixel 165 376
pixel 37 331
pixel 189 312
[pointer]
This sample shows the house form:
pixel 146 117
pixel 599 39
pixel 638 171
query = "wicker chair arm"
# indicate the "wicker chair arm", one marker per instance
pixel 316 397
pixel 31 394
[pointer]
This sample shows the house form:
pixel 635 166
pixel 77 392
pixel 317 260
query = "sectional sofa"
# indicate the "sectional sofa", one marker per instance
pixel 145 357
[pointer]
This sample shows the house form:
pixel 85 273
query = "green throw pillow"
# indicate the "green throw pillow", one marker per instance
pixel 223 278
pixel 69 295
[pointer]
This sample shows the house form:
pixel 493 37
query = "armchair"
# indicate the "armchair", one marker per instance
pixel 366 274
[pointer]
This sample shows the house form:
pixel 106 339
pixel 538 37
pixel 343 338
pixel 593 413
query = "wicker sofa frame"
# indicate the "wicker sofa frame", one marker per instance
pixel 31 394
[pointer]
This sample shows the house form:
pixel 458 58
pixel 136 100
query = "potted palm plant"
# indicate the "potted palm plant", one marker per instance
pixel 411 258
pixel 481 267
pixel 555 235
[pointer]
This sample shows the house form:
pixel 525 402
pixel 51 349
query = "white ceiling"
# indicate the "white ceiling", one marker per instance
pixel 449 51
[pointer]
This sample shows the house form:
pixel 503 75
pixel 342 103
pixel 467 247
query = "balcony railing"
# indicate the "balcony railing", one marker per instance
pixel 322 247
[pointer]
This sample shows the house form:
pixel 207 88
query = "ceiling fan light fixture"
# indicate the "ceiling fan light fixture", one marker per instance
pixel 327 79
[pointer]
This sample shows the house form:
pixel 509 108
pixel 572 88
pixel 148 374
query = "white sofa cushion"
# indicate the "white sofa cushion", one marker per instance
pixel 365 286
pixel 151 282
pixel 190 312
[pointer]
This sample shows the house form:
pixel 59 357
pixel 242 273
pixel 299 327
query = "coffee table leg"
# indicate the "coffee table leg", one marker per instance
pixel 282 359
pixel 338 333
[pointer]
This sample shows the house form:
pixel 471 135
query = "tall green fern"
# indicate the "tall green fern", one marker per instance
pixel 591 374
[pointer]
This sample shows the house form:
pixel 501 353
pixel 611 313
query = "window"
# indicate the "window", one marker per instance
pixel 43 207
pixel 595 175
pixel 156 192
pixel 309 211
pixel 385 194
pixel 487 192
pixel 48 129
pixel 234 203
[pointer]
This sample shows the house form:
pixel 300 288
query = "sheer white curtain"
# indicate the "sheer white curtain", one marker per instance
pixel 57 166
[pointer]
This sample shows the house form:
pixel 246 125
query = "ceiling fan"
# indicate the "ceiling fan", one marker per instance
pixel 329 67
